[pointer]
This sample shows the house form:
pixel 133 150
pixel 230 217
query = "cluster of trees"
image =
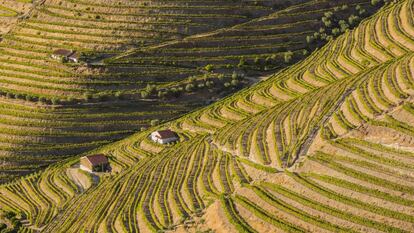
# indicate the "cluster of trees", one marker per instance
pixel 336 22
pixel 235 80
pixel 267 62
pixel 152 91
pixel 14 222
pixel 28 97
pixel 68 100
pixel 208 82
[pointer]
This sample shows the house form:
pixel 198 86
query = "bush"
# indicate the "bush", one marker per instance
pixel 343 25
pixel 55 101
pixel 310 39
pixel 189 87
pixel 118 95
pixel 9 215
pixel 242 62
pixel 9 95
pixel 162 94
pixel 144 94
pixel 209 84
pixel 235 82
pixel 375 2
pixel 234 75
pixel 155 122
pixel 209 67
pixel 201 85
pixel 288 56
pixel 42 99
pixel 336 31
pixel 87 96
pixel 151 89
pixel 353 19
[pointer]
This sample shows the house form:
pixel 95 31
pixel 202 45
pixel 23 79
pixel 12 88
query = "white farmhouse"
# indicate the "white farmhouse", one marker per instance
pixel 164 136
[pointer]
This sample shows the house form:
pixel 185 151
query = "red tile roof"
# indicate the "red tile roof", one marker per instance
pixel 97 159
pixel 166 134
pixel 62 52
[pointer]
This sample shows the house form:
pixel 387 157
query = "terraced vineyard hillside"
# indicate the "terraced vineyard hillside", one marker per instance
pixel 135 59
pixel 325 145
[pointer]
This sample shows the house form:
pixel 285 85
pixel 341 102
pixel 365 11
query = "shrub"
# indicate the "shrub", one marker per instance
pixel 201 85
pixel 42 99
pixel 309 39
pixel 343 25
pixel 235 82
pixel 144 94
pixel 151 89
pixel 353 19
pixel 234 75
pixel 209 67
pixel 118 95
pixel 155 122
pixel 87 96
pixel 209 84
pixel 375 2
pixel 242 62
pixel 162 94
pixel 189 87
pixel 336 31
pixel 288 56
pixel 55 101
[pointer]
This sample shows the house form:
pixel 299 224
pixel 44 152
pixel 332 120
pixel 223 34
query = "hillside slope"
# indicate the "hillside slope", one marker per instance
pixel 51 110
pixel 323 146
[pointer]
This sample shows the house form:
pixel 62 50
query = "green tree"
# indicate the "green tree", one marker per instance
pixel 189 87
pixel 242 62
pixel 309 39
pixel 336 31
pixel 375 2
pixel 235 82
pixel 155 122
pixel 288 56
pixel 353 20
pixel 144 94
pixel 55 101
pixel 209 67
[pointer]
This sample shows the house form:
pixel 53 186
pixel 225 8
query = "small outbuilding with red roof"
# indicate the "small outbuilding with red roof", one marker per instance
pixel 94 163
pixel 164 136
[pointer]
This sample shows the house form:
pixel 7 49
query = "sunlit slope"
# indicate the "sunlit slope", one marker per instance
pixel 102 28
pixel 33 136
pixel 51 110
pixel 260 43
pixel 323 146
